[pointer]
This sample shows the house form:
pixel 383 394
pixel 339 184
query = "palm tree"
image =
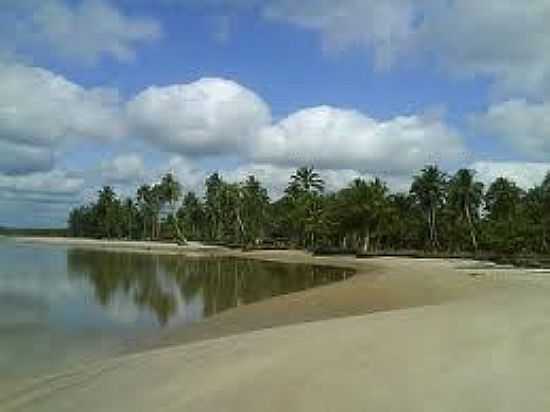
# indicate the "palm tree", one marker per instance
pixel 429 189
pixel 304 185
pixel 192 216
pixel 465 197
pixel 170 192
pixel 503 200
pixel 255 201
pixel 129 214
pixel 365 205
pixel 145 199
pixel 106 211
pixel 307 180
pixel 214 185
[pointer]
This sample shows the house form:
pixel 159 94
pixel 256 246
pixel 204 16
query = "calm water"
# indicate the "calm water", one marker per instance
pixel 59 305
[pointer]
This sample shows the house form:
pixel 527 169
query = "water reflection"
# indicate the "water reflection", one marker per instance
pixel 167 285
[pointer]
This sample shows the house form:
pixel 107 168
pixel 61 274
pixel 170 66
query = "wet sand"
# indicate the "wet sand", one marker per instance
pixel 379 284
pixel 402 334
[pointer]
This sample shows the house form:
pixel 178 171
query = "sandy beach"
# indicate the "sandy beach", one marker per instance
pixel 122 245
pixel 402 334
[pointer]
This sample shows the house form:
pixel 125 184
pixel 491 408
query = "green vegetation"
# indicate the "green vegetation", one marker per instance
pixel 440 213
pixel 55 232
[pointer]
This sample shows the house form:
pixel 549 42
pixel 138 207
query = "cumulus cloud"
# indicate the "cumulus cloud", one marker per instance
pixel 507 40
pixel 84 31
pixel 17 159
pixel 522 125
pixel 38 199
pixel 41 112
pixel 55 182
pixel 334 138
pixel 43 109
pixel 210 116
pixel 525 174
pixel 385 26
pixel 220 117
pixel 189 173
pixel 125 168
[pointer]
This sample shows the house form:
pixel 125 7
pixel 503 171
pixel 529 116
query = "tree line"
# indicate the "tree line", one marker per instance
pixel 440 212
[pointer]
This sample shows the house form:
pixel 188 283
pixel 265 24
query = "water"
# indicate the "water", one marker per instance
pixel 59 304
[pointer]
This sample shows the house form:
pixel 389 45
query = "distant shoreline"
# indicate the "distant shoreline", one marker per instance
pixel 124 245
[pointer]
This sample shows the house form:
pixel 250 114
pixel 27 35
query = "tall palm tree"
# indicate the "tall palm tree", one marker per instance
pixel 129 211
pixel 170 190
pixel 365 205
pixel 304 185
pixel 465 197
pixel 106 209
pixel 255 202
pixel 213 205
pixel 503 200
pixel 145 199
pixel 429 189
pixel 504 204
pixel 307 180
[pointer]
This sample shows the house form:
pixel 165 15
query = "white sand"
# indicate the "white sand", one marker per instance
pixel 134 245
pixel 486 352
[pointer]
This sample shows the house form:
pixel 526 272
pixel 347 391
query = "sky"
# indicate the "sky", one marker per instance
pixel 119 92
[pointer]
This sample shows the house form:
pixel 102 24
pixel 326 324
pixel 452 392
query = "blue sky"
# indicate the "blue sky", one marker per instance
pixel 118 92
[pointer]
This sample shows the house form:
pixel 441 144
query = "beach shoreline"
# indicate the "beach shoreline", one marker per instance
pixel 415 332
pixel 378 285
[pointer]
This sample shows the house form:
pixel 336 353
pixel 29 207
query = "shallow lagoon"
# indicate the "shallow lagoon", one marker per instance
pixel 61 305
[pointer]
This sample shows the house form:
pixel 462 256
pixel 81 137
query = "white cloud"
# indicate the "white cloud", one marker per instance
pixel 507 40
pixel 385 26
pixel 84 31
pixel 16 159
pixel 40 108
pixel 39 199
pixel 55 182
pixel 126 168
pixel 189 173
pixel 522 125
pixel 333 138
pixel 209 116
pixel 525 174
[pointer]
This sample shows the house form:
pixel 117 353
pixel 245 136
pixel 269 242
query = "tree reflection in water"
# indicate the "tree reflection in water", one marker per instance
pixel 161 284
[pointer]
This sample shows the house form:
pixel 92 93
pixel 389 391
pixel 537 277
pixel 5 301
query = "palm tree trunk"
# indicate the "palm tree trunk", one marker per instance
pixel 366 242
pixel 130 226
pixel 433 229
pixel 471 226
pixel 144 226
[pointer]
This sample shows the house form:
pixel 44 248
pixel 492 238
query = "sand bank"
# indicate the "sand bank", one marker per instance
pixel 190 248
pixel 477 343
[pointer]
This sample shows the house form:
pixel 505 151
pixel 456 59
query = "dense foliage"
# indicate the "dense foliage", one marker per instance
pixel 439 213
pixel 49 232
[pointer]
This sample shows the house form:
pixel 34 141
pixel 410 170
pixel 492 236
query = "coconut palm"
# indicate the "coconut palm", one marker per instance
pixel 147 204
pixel 364 209
pixel 129 213
pixel 465 197
pixel 429 188
pixel 170 192
pixel 304 185
pixel 307 180
pixel 254 205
